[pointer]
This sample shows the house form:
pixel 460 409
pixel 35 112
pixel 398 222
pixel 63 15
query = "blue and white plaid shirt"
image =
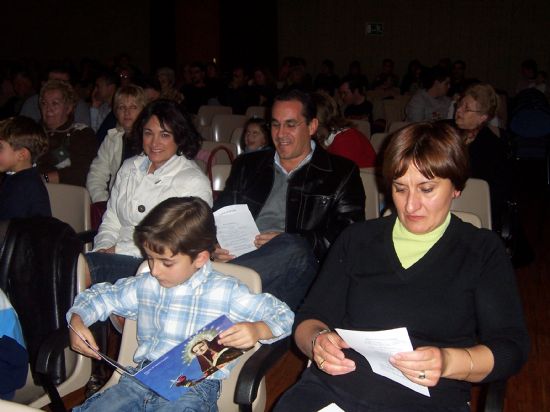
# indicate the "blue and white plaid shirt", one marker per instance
pixel 168 316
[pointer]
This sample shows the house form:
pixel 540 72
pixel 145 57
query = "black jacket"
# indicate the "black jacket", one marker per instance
pixel 324 196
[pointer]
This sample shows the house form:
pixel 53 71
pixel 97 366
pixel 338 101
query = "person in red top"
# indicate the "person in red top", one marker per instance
pixel 339 136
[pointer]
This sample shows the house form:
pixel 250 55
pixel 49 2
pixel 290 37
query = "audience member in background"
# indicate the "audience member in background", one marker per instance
pixel 129 101
pixel 431 102
pixel 355 73
pixel 300 196
pixel 127 71
pixel 23 88
pixel 263 86
pixel 186 78
pixel 298 77
pixel 528 75
pixel 388 67
pixel 14 359
pixel 31 107
pixel 197 93
pixel 449 283
pixel 72 146
pixel 256 136
pixel 489 158
pixel 213 79
pixel 356 105
pixel 327 80
pixel 458 78
pixel 412 80
pixel 238 94
pixel 167 80
pixel 102 98
pixel 445 64
pixel 151 88
pixel 22 192
pixel 386 88
pixel 540 82
pixel 338 135
pixel 164 169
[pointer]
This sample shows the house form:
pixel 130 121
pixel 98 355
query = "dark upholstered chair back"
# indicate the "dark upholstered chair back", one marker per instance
pixel 38 273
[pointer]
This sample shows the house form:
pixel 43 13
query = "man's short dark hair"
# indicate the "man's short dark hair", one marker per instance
pixel 309 110
pixel 461 62
pixel 435 73
pixel 180 224
pixel 198 65
pixel 110 77
pixel 355 83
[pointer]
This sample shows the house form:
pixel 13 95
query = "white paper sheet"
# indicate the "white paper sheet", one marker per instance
pixel 378 346
pixel 236 229
pixel 331 408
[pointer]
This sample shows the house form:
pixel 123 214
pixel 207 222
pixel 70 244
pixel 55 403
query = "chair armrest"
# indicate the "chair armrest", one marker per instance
pixel 50 350
pixel 255 369
pixel 87 236
pixel 52 347
pixel 494 401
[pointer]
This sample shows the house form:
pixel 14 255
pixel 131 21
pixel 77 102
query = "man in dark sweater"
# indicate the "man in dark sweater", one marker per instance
pixel 352 93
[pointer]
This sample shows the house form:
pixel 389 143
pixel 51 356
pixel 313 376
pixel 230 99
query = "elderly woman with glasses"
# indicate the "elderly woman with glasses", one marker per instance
pixel 488 153
pixel 72 146
pixel 449 283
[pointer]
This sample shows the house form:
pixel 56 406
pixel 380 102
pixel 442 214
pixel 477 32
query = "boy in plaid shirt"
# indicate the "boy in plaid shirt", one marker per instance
pixel 178 295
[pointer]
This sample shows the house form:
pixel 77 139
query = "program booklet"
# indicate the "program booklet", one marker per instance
pixel 185 365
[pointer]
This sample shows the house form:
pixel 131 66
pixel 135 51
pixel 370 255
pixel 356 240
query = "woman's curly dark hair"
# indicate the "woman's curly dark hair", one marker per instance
pixel 172 117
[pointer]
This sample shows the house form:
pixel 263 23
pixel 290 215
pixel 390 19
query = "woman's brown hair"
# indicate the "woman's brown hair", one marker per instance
pixel 435 149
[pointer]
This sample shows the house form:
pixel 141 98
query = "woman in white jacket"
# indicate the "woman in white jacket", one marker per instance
pixel 164 169
pixel 129 101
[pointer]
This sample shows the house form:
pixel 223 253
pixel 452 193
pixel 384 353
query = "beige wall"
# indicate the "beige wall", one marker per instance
pixel 492 36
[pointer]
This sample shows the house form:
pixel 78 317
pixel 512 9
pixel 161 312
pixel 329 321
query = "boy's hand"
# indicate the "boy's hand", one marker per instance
pixel 76 342
pixel 244 335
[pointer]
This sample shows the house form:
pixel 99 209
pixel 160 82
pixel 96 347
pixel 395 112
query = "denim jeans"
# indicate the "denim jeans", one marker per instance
pixel 130 396
pixel 286 265
pixel 110 267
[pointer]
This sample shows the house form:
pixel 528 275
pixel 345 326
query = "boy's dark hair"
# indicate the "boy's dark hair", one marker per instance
pixel 22 132
pixel 181 224
pixel 435 73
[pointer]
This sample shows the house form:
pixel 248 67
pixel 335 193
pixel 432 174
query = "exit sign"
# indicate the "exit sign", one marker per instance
pixel 374 29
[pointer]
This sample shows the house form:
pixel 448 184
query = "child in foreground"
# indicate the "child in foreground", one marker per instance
pixel 174 299
pixel 22 193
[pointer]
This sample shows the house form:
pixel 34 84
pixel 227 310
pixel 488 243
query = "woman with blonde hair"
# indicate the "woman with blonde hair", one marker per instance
pixel 117 146
pixel 72 146
pixel 339 135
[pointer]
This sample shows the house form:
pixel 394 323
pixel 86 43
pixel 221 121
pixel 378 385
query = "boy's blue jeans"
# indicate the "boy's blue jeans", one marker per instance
pixel 129 396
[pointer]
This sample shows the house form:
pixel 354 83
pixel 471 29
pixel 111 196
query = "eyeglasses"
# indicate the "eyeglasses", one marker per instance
pixel 289 125
pixel 462 106
pixel 123 109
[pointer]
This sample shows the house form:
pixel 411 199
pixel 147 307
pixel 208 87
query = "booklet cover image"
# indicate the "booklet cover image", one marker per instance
pixel 190 362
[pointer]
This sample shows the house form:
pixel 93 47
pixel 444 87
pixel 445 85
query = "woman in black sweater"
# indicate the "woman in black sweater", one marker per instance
pixel 488 152
pixel 449 283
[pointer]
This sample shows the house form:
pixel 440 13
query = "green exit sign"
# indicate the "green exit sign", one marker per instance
pixel 374 29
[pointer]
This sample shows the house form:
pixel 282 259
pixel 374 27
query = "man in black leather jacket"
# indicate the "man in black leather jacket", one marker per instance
pixel 300 196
